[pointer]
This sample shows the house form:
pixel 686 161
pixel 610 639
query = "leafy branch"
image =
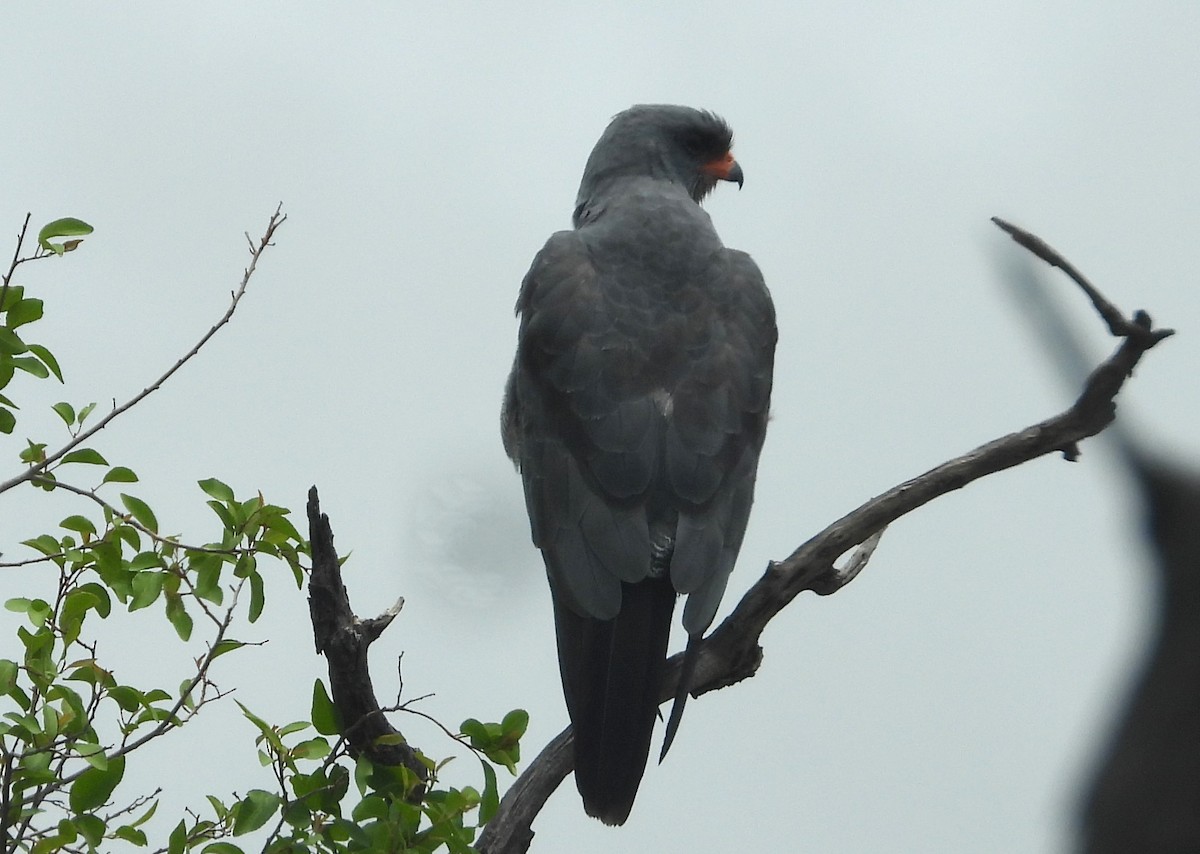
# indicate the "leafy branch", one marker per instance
pixel 256 252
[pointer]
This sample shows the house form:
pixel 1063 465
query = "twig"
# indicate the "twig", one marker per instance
pixel 1118 324
pixel 167 723
pixel 16 259
pixel 128 519
pixel 732 652
pixel 256 251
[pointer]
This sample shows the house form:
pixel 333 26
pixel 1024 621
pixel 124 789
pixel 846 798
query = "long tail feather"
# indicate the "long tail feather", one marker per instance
pixel 690 656
pixel 612 676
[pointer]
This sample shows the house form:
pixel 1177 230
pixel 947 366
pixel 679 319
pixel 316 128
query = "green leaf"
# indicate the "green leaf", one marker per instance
pixel 179 617
pixel 268 733
pixel 282 528
pixel 8 676
pixel 65 227
pixel 74 609
pixel 94 786
pixel 476 731
pixel 93 753
pixel 147 587
pixel 372 806
pixel 91 828
pixel 140 511
pixel 514 724
pixel 129 535
pixel 7 420
pixel 208 576
pixel 103 603
pixel 14 295
pixel 45 544
pixel 120 474
pixel 146 816
pixel 85 455
pixel 226 645
pixel 79 524
pixel 178 839
pixel 65 411
pixel 313 748
pixel 245 565
pixel 253 811
pixel 50 362
pixel 325 717
pixel 131 835
pixel 257 597
pixel 37 611
pixel 222 848
pixel 216 489
pixel 11 343
pixel 30 365
pixel 25 311
pixel 222 513
pixel 127 697
pixel 146 560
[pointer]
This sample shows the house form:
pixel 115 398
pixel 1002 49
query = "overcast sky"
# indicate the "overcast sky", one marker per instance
pixel 949 699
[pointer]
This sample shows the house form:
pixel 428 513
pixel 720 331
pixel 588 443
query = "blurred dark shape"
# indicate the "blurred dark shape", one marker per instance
pixel 1144 792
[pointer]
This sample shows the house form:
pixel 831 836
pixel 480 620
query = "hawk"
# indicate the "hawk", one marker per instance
pixel 635 412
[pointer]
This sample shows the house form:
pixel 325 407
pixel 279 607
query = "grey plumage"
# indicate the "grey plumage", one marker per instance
pixel 636 411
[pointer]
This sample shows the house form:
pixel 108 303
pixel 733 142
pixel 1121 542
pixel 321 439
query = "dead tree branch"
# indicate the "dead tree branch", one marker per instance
pixel 732 652
pixel 344 640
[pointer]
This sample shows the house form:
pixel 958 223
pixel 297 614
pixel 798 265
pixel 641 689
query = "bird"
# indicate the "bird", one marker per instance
pixel 635 412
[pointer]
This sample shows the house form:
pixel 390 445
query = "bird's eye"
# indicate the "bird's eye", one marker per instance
pixel 693 143
pixel 700 145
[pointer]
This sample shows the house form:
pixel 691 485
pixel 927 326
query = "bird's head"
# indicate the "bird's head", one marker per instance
pixel 687 146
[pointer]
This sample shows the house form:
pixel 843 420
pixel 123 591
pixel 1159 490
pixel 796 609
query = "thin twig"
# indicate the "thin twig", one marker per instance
pixel 167 724
pixel 256 252
pixel 38 254
pixel 12 267
pixel 1119 325
pixel 128 519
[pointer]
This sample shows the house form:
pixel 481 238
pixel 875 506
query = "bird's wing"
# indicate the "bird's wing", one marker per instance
pixel 712 454
pixel 584 440
pixel 603 442
pixel 715 435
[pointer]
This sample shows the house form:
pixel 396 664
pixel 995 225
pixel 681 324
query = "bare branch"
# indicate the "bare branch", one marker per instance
pixel 1118 324
pixel 16 258
pixel 277 219
pixel 344 640
pixel 732 652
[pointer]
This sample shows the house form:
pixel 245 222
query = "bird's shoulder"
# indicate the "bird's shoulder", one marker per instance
pixel 744 280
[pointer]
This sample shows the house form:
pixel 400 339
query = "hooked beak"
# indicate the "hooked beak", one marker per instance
pixel 725 169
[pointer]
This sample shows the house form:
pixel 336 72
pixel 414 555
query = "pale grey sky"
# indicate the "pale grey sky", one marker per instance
pixel 949 699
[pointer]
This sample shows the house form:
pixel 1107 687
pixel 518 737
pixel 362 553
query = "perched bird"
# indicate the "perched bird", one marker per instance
pixel 635 412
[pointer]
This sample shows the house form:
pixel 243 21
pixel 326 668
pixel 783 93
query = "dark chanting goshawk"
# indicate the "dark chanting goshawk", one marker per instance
pixel 636 411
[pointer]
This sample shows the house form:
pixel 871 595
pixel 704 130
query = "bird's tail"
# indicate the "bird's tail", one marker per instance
pixel 690 656
pixel 612 678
